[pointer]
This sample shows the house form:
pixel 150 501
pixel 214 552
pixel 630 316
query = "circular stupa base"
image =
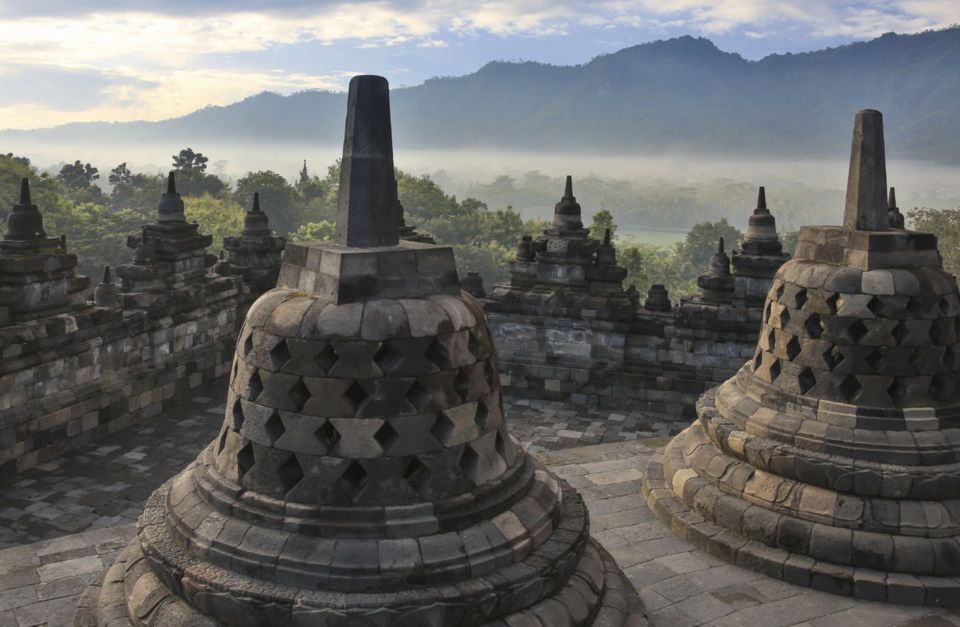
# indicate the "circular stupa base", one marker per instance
pixel 568 580
pixel 719 523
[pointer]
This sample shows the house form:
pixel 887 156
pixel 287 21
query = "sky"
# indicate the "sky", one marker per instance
pixel 118 60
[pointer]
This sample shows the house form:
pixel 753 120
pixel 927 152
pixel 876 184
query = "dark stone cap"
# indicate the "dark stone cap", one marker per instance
pixel 720 263
pixel 25 221
pixel 866 207
pixel 170 208
pixel 255 222
pixel 566 213
pixel 366 207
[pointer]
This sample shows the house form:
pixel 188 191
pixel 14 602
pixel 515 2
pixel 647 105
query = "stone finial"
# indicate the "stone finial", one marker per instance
pixel 761 200
pixel 398 207
pixel 720 264
pixel 145 252
pixel 566 213
pixel 525 250
pixel 366 205
pixel 170 208
pixel 106 294
pixel 606 253
pixel 658 299
pixel 255 221
pixel 894 217
pixel 25 221
pixel 867 182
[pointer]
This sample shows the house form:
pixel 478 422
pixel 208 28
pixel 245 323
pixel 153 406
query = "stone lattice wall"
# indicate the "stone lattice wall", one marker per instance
pixel 659 363
pixel 72 379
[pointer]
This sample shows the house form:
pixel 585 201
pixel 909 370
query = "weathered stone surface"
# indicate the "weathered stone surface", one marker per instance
pixel 845 419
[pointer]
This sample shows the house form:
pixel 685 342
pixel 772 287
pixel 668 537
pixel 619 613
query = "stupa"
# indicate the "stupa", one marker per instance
pixel 760 256
pixel 364 473
pixel 832 458
pixel 255 254
pixel 37 274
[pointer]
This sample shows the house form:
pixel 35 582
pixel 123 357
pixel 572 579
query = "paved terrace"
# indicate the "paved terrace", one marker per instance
pixel 62 522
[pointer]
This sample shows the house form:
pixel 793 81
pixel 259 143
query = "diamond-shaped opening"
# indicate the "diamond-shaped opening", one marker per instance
pixel 274 428
pixel 443 428
pixel 438 354
pixel 914 306
pixel 917 360
pixel 784 317
pixel 354 478
pixel 328 435
pixel 475 346
pixel 416 474
pixel 875 359
pixel 814 325
pixel 900 332
pixel 326 358
pixel 850 388
pixel 793 348
pixel 223 442
pixel 245 460
pixel 807 380
pixel 950 358
pixel 290 473
pixel 779 291
pixel 357 396
pixel 481 416
pixel 897 391
pixel 857 330
pixel 875 306
pixel 387 357
pixel 386 436
pixel 774 370
pixel 937 332
pixel 255 385
pixel 757 360
pixel 833 356
pixel 299 394
pixel 771 339
pixel 417 395
pixel 834 303
pixel 940 388
pixel 767 311
pixel 469 463
pixel 279 354
pixel 800 299
pixel 237 415
pixel 944 306
pixel 248 344
pixel 461 385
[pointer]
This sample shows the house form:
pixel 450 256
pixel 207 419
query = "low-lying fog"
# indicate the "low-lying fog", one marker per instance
pixel 662 194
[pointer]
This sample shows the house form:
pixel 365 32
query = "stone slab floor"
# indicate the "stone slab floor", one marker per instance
pixel 62 522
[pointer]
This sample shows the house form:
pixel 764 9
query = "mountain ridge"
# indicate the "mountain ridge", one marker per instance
pixel 679 94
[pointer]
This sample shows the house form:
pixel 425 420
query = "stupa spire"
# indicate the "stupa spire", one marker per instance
pixel 25 192
pixel 365 207
pixel 866 208
pixel 170 208
pixel 762 200
pixel 256 203
pixel 566 213
pixel 25 221
pixel 894 217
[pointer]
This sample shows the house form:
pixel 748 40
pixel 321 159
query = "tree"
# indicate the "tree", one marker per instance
pixel 78 175
pixel 945 224
pixel 602 220
pixel 314 231
pixel 120 174
pixel 20 160
pixel 189 161
pixel 701 241
pixel 219 217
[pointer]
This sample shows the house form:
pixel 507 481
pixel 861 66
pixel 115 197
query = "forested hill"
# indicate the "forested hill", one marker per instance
pixel 681 93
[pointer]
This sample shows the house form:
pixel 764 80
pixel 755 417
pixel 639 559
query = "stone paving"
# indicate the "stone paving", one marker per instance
pixel 679 585
pixel 107 483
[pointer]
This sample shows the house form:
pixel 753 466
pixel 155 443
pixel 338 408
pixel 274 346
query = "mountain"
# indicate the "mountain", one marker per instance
pixel 678 94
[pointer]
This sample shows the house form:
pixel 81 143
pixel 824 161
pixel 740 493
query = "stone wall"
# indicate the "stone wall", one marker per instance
pixel 658 363
pixel 71 379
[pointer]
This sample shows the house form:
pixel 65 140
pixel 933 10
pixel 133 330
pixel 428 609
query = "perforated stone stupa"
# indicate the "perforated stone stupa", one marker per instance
pixel 832 458
pixel 364 473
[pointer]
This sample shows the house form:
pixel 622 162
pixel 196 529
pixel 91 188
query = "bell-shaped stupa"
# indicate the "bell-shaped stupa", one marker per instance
pixel 832 458
pixel 364 474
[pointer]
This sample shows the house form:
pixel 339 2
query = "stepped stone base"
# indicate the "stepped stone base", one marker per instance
pixel 707 517
pixel 568 580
